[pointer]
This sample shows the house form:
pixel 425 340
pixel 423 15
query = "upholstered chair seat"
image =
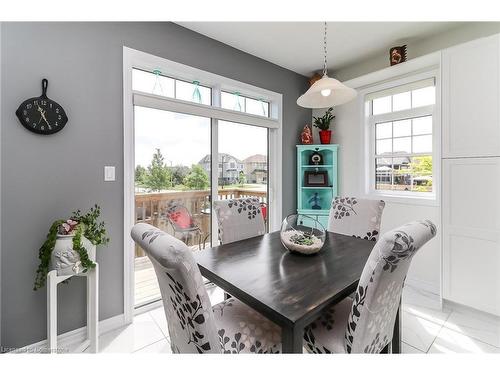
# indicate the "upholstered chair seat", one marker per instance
pixel 239 219
pixel 356 217
pixel 365 324
pixel 195 326
pixel 243 330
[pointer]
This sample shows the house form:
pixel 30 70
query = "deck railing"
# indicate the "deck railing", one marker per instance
pixel 151 208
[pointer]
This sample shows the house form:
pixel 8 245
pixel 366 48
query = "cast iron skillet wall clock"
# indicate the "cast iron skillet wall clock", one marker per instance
pixel 42 115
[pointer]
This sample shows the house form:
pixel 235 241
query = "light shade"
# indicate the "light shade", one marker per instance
pixel 338 94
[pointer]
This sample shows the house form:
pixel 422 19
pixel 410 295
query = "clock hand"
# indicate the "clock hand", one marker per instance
pixel 42 113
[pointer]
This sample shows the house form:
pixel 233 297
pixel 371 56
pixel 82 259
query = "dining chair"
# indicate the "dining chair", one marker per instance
pixel 356 217
pixel 239 219
pixel 365 324
pixel 194 325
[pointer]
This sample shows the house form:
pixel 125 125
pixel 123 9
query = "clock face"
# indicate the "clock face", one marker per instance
pixel 42 115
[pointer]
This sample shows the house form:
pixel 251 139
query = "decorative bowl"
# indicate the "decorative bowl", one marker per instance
pixel 302 234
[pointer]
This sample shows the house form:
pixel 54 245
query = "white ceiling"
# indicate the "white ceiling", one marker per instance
pixel 298 46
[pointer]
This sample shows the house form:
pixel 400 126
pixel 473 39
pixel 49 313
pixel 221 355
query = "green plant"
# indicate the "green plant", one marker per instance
pixel 197 179
pixel 158 176
pixel 323 122
pixel 79 224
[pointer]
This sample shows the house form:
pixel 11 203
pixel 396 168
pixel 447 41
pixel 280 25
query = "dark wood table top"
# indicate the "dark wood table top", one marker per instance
pixel 288 288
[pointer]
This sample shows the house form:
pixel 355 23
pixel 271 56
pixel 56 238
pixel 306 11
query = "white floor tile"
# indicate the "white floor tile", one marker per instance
pixel 142 332
pixel 408 349
pixel 162 346
pixel 418 332
pixel 160 319
pixel 424 305
pixel 477 325
pixel 215 294
pixel 449 341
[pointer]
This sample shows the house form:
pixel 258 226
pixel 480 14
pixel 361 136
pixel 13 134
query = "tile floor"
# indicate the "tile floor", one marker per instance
pixel 426 329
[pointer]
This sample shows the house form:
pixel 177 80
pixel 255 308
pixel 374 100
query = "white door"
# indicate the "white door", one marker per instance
pixel 471 99
pixel 471 232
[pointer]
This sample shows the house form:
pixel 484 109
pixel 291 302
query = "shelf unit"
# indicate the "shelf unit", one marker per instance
pixel 325 193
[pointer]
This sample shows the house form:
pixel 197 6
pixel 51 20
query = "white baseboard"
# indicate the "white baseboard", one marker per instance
pixel 423 285
pixel 75 337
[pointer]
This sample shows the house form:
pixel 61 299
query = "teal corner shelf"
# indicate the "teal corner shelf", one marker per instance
pixel 321 196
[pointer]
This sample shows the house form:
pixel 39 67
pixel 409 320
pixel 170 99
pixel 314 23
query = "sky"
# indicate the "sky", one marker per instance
pixel 185 139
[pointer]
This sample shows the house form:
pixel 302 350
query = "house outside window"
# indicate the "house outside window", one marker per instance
pixel 400 123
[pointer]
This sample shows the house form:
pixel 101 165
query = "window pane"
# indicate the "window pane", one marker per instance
pixel 187 91
pixel 257 107
pixel 382 105
pixel 383 173
pixel 424 96
pixel 384 146
pixel 421 171
pixel 152 83
pixel 401 101
pixel 383 130
pixel 402 145
pixel 422 143
pixel 402 128
pixel 422 125
pixel 232 101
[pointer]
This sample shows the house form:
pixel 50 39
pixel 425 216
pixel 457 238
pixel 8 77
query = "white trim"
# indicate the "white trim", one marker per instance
pixel 171 104
pixel 133 58
pixel 75 336
pixel 430 199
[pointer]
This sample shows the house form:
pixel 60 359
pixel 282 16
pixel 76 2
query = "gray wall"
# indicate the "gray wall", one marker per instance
pixel 420 47
pixel 46 177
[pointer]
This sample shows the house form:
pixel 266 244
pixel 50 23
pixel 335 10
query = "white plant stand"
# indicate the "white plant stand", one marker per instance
pixel 91 340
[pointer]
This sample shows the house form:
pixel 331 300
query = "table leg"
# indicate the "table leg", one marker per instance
pixel 396 336
pixel 52 312
pixel 292 339
pixel 93 308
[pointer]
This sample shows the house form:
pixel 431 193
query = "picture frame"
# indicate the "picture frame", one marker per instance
pixel 315 179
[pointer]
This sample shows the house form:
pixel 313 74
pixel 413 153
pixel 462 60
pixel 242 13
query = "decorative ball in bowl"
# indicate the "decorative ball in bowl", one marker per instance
pixel 302 234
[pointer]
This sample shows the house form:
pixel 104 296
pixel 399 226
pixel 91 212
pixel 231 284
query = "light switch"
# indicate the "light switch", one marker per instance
pixel 109 173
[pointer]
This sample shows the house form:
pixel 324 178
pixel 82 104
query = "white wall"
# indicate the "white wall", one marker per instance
pixel 348 132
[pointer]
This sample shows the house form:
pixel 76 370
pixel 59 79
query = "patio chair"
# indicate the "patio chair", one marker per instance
pixel 182 222
pixel 194 325
pixel 365 324
pixel 356 217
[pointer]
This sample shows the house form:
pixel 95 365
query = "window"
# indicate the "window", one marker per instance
pixel 400 121
pixel 237 102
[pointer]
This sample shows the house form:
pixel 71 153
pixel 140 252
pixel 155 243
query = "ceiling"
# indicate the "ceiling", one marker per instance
pixel 298 46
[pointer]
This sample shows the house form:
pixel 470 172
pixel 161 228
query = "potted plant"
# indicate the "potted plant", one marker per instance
pixel 70 247
pixel 323 124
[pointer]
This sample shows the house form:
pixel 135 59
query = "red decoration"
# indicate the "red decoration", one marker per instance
pixel 306 136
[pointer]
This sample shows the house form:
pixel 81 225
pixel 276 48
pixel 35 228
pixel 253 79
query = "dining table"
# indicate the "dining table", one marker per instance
pixel 290 289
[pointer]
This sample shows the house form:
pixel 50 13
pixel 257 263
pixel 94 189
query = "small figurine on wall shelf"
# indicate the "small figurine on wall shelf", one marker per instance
pixel 397 55
pixel 306 136
pixel 315 199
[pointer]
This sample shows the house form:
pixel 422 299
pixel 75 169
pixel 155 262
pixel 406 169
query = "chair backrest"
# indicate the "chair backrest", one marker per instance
pixel 239 219
pixel 190 319
pixel 180 218
pixel 356 217
pixel 373 312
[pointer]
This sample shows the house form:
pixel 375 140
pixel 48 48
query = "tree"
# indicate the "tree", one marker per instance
pixel 197 179
pixel 242 178
pixel 140 175
pixel 158 177
pixel 179 173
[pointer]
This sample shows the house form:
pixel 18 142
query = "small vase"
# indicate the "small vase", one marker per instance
pixel 65 260
pixel 325 136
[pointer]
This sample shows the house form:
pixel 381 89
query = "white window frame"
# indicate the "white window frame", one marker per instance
pixel 425 198
pixel 136 59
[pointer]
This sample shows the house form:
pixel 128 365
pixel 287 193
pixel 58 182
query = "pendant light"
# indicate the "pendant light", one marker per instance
pixel 326 92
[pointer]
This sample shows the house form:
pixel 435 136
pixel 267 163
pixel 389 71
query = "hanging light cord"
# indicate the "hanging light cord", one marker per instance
pixel 325 51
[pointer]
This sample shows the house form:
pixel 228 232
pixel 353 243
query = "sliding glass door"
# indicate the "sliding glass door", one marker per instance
pixel 172 185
